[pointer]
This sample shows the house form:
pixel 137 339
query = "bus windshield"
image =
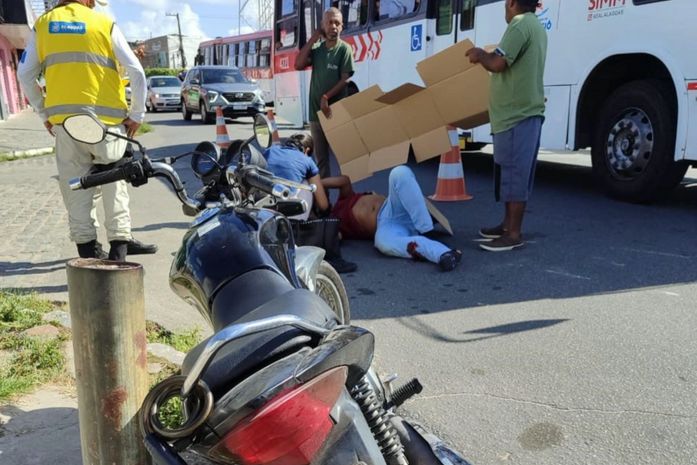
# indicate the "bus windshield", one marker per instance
pixel 221 76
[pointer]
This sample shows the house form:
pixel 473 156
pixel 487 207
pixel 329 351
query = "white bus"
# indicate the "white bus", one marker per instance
pixel 620 76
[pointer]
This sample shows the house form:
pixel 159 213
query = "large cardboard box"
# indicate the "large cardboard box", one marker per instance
pixel 373 130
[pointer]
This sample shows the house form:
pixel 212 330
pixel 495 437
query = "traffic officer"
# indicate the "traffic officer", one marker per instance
pixel 77 50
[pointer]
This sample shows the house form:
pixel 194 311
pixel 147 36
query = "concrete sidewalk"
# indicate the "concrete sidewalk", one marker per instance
pixel 25 135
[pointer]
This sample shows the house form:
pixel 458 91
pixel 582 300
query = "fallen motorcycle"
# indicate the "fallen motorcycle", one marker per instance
pixel 285 379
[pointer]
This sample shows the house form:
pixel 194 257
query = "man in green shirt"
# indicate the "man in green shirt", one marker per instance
pixel 332 66
pixel 516 111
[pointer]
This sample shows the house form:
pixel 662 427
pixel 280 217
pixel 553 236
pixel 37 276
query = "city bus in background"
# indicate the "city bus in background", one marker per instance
pixel 251 53
pixel 619 76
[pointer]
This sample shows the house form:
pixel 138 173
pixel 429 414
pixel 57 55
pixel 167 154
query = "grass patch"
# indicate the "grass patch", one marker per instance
pixel 182 341
pixel 28 361
pixel 145 128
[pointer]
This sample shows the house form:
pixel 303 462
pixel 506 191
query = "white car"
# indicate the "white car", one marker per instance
pixel 164 93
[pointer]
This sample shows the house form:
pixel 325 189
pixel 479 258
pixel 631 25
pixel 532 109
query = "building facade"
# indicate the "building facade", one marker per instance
pixel 17 18
pixel 164 51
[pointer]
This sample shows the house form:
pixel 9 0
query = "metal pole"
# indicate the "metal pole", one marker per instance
pixel 107 313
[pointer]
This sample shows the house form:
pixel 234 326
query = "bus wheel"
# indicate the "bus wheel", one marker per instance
pixel 634 144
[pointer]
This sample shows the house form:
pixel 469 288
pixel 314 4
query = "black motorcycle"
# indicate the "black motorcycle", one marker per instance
pixel 285 379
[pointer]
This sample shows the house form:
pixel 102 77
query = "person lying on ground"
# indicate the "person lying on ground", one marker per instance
pixel 398 223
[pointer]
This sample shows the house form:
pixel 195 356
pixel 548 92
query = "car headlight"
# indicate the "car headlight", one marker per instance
pixel 157 95
pixel 212 95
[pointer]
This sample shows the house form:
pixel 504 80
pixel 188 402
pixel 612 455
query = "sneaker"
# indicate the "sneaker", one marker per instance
pixel 135 247
pixel 492 233
pixel 502 244
pixel 449 260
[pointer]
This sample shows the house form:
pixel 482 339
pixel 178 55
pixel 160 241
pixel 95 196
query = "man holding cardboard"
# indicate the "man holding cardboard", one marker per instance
pixel 332 66
pixel 516 110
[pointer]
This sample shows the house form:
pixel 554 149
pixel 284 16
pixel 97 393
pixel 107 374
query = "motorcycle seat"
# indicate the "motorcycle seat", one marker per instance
pixel 239 358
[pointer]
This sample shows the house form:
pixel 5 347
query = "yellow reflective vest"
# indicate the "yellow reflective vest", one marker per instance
pixel 77 57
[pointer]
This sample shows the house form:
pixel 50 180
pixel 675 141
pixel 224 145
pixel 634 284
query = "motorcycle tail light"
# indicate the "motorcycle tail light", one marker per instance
pixel 290 429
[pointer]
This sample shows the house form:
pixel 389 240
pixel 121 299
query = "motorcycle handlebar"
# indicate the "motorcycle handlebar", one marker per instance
pixel 266 184
pixel 97 179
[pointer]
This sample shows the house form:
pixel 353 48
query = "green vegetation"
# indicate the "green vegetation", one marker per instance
pixel 162 72
pixel 26 361
pixel 144 128
pixel 182 342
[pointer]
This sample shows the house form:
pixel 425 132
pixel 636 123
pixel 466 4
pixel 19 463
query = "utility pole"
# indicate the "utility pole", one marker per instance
pixel 181 42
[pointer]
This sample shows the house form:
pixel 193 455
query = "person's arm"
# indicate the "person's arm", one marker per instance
pixel 346 68
pixel 320 195
pixel 492 62
pixel 28 72
pixel 343 183
pixel 305 56
pixel 135 72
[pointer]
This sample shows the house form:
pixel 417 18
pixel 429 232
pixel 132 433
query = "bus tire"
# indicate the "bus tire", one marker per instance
pixel 185 112
pixel 634 144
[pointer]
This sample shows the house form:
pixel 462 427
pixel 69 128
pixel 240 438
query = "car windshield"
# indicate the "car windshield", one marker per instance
pixel 165 82
pixel 221 76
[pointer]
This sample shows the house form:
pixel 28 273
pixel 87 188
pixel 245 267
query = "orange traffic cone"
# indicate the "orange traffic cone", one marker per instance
pixel 222 139
pixel 275 137
pixel 451 178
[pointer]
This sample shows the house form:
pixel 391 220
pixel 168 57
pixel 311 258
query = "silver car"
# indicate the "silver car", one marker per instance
pixel 208 87
pixel 164 93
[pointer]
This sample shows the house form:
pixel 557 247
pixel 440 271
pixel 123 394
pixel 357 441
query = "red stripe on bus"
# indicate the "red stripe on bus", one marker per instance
pixel 692 86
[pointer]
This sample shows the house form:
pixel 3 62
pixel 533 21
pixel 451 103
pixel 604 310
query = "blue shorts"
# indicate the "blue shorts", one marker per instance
pixel 515 157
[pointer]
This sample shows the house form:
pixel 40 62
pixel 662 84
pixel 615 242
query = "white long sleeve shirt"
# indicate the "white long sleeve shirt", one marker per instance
pixel 29 71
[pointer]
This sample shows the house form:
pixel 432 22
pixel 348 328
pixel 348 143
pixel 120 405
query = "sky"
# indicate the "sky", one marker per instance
pixel 143 19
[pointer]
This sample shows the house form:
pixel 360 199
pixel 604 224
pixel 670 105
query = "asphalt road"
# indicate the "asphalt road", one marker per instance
pixel 578 349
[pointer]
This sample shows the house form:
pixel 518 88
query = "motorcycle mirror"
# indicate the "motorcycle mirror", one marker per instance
pixel 85 128
pixel 262 131
pixel 205 159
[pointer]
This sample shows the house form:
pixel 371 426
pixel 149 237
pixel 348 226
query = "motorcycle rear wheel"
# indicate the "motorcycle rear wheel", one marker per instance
pixel 330 287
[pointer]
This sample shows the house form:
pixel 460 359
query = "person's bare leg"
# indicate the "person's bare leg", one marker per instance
pixel 513 221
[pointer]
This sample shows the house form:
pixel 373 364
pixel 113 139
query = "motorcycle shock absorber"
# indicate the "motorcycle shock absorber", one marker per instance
pixel 379 423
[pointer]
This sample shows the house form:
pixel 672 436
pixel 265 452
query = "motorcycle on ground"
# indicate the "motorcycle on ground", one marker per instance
pixel 285 379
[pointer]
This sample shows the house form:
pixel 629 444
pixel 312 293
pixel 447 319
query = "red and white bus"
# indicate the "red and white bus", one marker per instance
pixel 251 53
pixel 619 76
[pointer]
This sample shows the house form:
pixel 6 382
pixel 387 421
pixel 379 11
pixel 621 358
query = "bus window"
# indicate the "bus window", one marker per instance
pixel 265 53
pixel 287 32
pixel 288 7
pixel 251 54
pixel 467 15
pixel 355 13
pixel 240 55
pixel 232 57
pixel 444 18
pixel 393 9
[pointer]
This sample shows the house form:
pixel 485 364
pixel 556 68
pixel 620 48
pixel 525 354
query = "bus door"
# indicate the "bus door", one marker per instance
pixel 452 21
pixel 289 37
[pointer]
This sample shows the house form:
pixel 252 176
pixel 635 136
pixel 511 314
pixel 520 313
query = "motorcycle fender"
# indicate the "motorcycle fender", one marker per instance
pixel 307 262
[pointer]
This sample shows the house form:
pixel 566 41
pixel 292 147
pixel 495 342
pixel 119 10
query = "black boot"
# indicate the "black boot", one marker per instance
pixel 135 247
pixel 118 251
pixel 99 252
pixel 87 249
pixel 332 248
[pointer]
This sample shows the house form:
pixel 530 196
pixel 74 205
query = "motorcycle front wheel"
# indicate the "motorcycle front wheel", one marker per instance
pixel 330 287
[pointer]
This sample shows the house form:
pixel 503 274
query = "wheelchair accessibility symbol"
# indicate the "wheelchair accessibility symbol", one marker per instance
pixel 416 34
